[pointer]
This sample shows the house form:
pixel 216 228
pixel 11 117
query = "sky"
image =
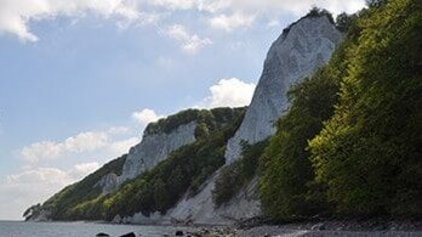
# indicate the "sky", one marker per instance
pixel 80 79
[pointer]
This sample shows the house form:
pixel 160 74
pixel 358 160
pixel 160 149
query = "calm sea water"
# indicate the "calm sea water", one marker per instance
pixel 79 229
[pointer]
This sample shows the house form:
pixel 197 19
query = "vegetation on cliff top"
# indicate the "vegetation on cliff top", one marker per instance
pixel 207 119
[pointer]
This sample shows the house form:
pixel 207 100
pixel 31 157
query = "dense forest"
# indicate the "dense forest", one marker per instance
pixel 351 142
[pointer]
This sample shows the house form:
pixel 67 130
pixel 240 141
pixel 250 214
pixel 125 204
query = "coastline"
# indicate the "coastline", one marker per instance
pixel 377 227
pixel 331 228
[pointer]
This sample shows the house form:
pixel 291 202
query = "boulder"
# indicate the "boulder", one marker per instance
pixel 131 234
pixel 101 234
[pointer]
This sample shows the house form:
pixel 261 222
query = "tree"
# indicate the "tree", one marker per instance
pixel 368 153
pixel 376 3
pixel 343 22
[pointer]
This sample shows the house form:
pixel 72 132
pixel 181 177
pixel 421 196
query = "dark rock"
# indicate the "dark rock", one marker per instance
pixel 131 234
pixel 102 235
pixel 319 226
pixel 192 234
pixel 179 233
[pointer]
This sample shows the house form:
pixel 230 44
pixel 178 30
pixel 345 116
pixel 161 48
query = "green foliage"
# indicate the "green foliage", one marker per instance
pixel 365 157
pixel 61 203
pixel 344 21
pixel 236 175
pixel 369 153
pixel 313 13
pixel 287 186
pixel 185 170
pixel 206 119
pixel 318 12
pixel 376 3
pixel 287 171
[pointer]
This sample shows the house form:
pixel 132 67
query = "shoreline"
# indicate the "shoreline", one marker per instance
pixel 328 228
pixel 334 227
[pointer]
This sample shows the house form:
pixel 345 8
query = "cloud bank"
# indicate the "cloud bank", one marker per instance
pixel 15 16
pixel 225 15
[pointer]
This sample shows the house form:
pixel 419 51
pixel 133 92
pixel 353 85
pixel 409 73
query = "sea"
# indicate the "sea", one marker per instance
pixel 81 229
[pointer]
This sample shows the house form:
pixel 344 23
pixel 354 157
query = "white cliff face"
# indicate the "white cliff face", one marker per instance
pixel 108 183
pixel 201 208
pixel 293 56
pixel 298 52
pixel 155 148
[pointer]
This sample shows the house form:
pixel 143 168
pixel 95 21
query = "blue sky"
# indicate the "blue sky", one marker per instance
pixel 79 80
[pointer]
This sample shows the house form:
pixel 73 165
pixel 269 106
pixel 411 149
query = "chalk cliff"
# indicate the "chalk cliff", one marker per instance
pixel 155 148
pixel 302 48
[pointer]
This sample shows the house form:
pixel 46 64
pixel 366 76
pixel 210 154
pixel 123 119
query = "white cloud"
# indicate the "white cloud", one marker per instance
pixel 294 6
pixel 175 4
pixel 231 92
pixel 36 185
pixel 48 150
pixel 106 144
pixel 146 116
pixel 120 130
pixel 86 141
pixel 23 189
pixel 122 147
pixel 213 6
pixel 273 23
pixel 41 150
pixel 190 43
pixel 50 175
pixel 86 168
pixel 231 22
pixel 15 16
pixel 84 153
